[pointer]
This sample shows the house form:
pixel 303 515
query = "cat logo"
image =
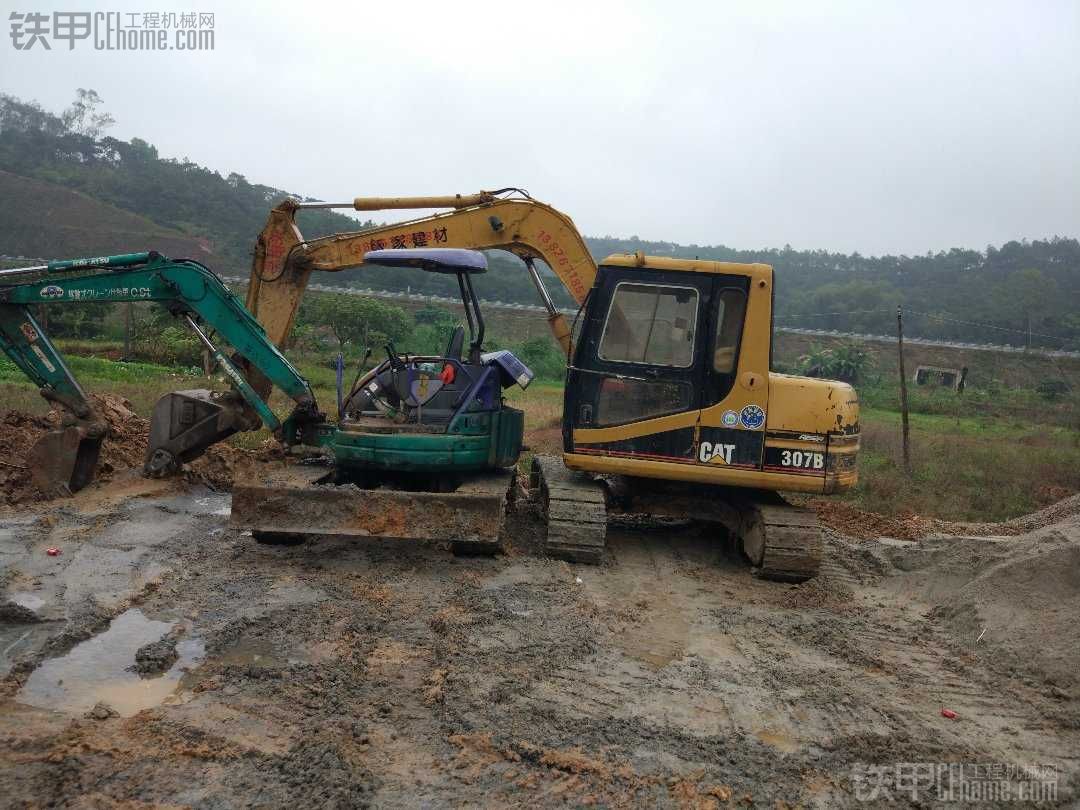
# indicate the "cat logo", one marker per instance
pixel 710 453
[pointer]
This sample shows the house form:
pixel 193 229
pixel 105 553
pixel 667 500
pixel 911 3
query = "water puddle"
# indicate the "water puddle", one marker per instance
pixel 780 740
pixel 26 599
pixel 96 670
pixel 259 652
pixel 218 505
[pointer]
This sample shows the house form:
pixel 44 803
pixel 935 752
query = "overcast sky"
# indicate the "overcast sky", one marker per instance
pixel 873 126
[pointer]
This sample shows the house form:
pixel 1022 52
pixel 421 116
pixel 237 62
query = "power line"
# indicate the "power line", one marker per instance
pixel 933 317
pixel 827 314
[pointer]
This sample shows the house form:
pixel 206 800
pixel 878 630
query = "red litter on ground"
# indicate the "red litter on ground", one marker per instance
pixel 53 552
pixel 949 713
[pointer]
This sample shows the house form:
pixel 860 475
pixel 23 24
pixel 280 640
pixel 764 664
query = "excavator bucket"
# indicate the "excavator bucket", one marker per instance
pixel 299 501
pixel 63 461
pixel 185 423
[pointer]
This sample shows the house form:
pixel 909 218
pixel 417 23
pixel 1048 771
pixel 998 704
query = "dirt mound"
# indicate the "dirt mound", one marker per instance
pixel 223 463
pixel 18 432
pixel 853 522
pixel 1011 600
pixel 125 445
pixel 123 448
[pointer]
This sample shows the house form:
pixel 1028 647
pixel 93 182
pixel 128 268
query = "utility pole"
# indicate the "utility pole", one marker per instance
pixel 903 389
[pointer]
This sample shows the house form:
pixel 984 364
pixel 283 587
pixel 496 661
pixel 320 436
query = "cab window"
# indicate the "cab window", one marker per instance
pixel 730 309
pixel 629 400
pixel 650 324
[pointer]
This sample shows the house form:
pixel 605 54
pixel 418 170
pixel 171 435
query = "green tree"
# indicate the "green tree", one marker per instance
pixel 83 117
pixel 436 317
pixel 78 321
pixel 354 320
pixel 543 356
pixel 1026 295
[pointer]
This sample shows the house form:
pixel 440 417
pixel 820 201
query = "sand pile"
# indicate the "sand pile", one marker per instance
pixel 1011 599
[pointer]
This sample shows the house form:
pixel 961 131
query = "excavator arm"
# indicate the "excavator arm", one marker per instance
pixel 284 260
pixel 184 423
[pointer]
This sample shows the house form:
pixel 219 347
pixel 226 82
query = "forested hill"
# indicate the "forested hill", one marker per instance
pixel 994 295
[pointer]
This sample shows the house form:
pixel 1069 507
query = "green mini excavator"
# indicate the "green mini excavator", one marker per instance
pixel 429 440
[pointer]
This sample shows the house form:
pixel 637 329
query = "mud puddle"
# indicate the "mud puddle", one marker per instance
pixel 99 670
pixel 26 599
pixel 259 652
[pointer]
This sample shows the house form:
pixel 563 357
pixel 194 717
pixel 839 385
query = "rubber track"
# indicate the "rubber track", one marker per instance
pixel 576 510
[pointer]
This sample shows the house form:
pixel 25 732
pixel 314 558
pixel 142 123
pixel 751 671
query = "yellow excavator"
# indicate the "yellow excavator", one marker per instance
pixel 670 406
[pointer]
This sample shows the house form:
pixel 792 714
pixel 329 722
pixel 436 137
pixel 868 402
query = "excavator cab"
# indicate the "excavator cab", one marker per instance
pixel 671 380
pixel 656 349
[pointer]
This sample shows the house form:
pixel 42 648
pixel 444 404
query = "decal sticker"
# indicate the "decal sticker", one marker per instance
pixel 807 460
pixel 811 437
pixel 733 447
pixel 710 453
pixel 44 360
pixel 51 291
pixel 730 419
pixel 28 332
pixel 752 417
pixel 112 292
pixel 795 462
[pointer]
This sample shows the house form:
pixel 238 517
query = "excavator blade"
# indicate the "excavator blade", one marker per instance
pixel 185 423
pixel 295 502
pixel 63 461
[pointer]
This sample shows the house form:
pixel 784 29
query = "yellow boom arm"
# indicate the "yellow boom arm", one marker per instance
pixel 284 260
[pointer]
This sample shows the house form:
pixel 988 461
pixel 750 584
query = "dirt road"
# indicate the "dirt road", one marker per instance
pixel 163 658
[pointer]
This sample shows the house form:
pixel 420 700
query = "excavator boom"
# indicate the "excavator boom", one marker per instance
pixel 284 260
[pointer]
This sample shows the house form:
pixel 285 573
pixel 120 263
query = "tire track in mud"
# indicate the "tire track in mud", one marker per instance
pixel 350 673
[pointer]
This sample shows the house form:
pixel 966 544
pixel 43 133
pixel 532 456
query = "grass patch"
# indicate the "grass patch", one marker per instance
pixel 964 472
pixel 975 463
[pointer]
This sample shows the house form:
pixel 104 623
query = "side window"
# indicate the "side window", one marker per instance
pixel 731 307
pixel 622 401
pixel 651 324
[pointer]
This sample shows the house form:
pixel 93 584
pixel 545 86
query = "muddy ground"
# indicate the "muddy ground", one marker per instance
pixel 163 658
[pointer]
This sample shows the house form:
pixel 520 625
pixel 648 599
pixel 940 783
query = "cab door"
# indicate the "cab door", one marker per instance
pixel 735 392
pixel 638 377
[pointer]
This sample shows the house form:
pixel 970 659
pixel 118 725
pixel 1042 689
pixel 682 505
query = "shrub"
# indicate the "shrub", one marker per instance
pixel 848 362
pixel 1052 389
pixel 172 346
